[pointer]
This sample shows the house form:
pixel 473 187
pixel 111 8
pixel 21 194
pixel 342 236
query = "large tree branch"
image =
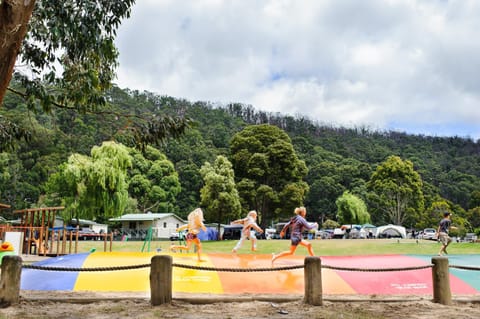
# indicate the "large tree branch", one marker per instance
pixel 69 108
pixel 146 209
pixel 14 18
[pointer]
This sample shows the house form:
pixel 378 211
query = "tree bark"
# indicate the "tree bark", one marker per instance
pixel 14 18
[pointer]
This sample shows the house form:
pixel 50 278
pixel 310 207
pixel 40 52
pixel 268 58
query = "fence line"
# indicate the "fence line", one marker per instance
pixel 113 268
pixel 161 273
pixel 221 269
pixel 464 267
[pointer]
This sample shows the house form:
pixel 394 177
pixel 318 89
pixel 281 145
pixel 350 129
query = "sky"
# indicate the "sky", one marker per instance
pixel 388 65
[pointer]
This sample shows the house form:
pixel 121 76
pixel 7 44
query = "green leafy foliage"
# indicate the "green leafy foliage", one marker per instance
pixel 154 182
pixel 71 53
pixel 330 224
pixel 68 61
pixel 351 210
pixel 338 159
pixel 90 187
pixel 10 133
pixel 397 190
pixel 219 195
pixel 268 171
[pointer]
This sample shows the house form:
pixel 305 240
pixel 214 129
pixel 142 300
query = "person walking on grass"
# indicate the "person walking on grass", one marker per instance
pixel 297 225
pixel 248 231
pixel 195 224
pixel 442 233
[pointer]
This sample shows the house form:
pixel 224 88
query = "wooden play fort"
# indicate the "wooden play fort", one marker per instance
pixel 43 236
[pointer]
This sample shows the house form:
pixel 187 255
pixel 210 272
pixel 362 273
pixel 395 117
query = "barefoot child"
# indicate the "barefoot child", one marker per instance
pixel 195 223
pixel 248 223
pixel 442 233
pixel 297 224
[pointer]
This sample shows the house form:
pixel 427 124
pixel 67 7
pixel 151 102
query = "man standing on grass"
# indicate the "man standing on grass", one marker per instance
pixel 442 233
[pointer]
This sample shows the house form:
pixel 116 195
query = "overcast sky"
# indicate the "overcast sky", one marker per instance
pixel 406 65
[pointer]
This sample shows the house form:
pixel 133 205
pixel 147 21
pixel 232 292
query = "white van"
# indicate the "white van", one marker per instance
pixel 338 233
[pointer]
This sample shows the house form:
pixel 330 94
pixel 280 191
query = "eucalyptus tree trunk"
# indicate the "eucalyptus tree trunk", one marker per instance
pixel 14 18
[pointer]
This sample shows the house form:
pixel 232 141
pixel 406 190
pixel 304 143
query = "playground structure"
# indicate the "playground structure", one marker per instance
pixel 41 235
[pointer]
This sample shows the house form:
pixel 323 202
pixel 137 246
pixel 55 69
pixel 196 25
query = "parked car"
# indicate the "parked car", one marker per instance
pixel 429 233
pixel 88 234
pixel 270 233
pixel 324 234
pixel 471 237
pixel 338 233
pixel 232 232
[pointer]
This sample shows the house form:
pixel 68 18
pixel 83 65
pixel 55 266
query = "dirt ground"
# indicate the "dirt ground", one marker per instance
pixel 113 306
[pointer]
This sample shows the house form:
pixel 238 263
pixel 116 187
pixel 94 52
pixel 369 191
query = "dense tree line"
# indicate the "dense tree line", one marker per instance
pixel 72 138
pixel 279 162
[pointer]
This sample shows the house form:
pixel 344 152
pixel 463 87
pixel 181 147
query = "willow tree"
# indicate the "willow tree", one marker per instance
pixel 93 186
pixel 219 194
pixel 351 209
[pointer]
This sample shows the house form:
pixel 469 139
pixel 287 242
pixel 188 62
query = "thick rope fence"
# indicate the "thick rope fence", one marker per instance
pixel 221 269
pixel 161 268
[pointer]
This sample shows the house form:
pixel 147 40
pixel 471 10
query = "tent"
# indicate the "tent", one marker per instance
pixel 391 231
pixel 210 234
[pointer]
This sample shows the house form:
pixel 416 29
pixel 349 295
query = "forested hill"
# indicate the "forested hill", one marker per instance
pixel 337 158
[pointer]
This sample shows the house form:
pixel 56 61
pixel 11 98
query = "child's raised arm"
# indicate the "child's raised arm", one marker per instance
pixel 237 221
pixel 182 227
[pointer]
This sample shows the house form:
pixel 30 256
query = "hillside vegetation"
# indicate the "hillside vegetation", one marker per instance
pixel 358 160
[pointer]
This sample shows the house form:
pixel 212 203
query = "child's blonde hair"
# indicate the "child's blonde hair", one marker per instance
pixel 252 213
pixel 299 210
pixel 195 218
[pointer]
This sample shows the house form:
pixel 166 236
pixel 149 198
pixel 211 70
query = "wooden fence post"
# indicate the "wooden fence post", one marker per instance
pixel 313 281
pixel 10 280
pixel 441 281
pixel 161 280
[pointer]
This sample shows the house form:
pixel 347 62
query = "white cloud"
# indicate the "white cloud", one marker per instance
pixel 397 64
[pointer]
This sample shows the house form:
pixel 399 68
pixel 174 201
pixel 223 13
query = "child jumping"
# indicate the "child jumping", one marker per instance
pixel 248 223
pixel 297 224
pixel 195 223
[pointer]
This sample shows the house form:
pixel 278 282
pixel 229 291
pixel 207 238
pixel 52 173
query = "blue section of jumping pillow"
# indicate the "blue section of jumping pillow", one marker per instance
pixel 471 277
pixel 34 279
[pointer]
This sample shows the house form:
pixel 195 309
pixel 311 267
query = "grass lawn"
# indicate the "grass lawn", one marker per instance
pixel 330 247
